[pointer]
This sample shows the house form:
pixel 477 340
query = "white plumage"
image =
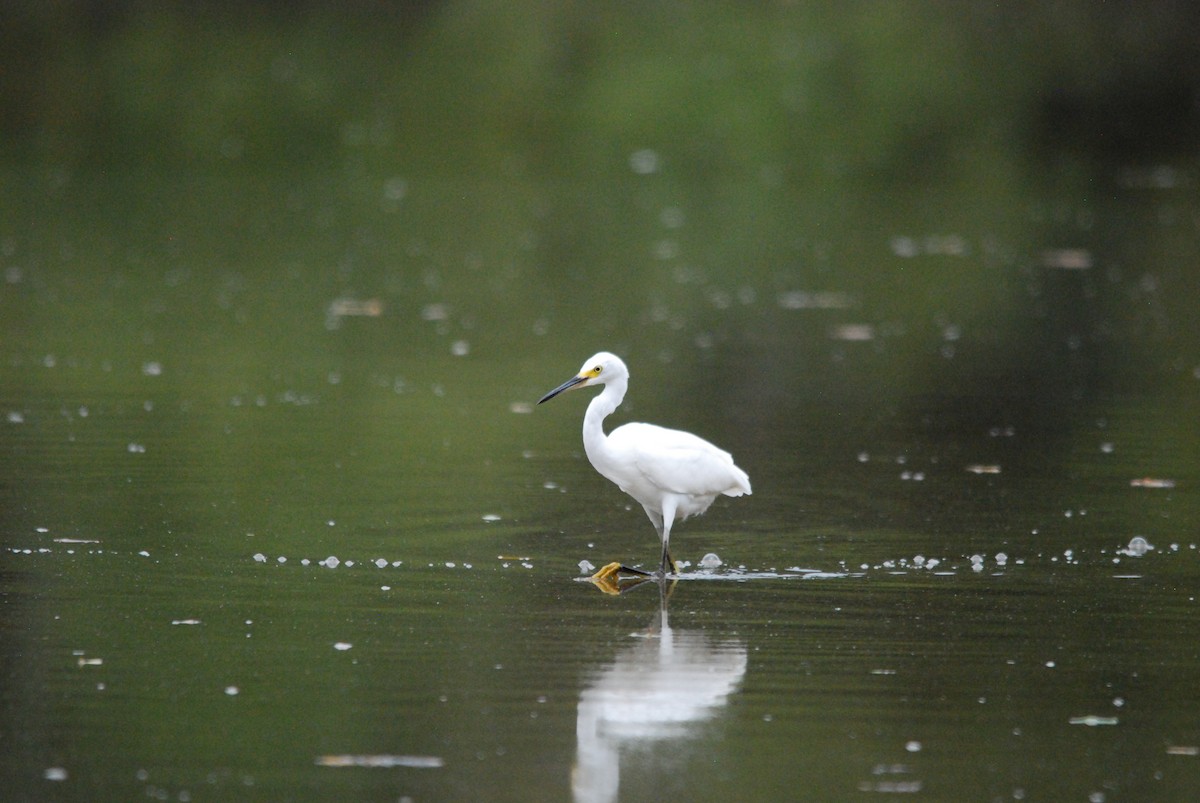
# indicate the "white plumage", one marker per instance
pixel 673 474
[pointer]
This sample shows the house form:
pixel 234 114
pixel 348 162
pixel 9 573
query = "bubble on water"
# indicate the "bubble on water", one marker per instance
pixel 460 348
pixel 15 417
pixel 152 368
pixel 1001 559
pixel 232 691
pixel 585 567
pixel 342 646
pixel 136 448
pixel 490 517
pixel 381 563
pixel 260 557
pixel 644 162
pixel 1138 546
pixel 330 562
pixel 912 746
pixel 55 774
pixel 710 561
pixel 144 553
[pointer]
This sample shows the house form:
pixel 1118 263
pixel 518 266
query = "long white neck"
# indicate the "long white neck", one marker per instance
pixel 595 442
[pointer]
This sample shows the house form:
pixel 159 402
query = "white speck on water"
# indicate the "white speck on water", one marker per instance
pixel 1050 664
pixel 1138 546
pixel 55 774
pixel 710 561
pixel 644 162
pixel 185 621
pixel 144 554
pixel 330 562
pixel 527 565
pixel 16 417
pixel 305 561
pixel 435 312
pixel 863 457
pixel 342 646
pixel 232 691
pixel 331 523
pixel 1118 702
pixel 385 588
pixel 550 485
pixel 489 517
pixel 1001 559
pixel 1091 720
pixel 136 448
pixel 520 408
pixel 586 567
pixel 450 564
pixel 152 368
pixel 913 746
pixel 460 348
pixel 381 563
pixel 396 563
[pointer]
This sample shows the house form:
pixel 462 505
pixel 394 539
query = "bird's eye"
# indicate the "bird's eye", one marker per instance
pixel 597 369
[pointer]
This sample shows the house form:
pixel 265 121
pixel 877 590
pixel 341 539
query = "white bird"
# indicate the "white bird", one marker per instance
pixel 671 473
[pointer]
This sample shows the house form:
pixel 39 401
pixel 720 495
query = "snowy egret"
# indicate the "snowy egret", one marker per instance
pixel 671 473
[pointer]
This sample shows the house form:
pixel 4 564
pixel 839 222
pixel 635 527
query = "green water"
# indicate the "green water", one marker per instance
pixel 284 286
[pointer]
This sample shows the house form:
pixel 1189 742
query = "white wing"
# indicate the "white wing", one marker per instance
pixel 680 462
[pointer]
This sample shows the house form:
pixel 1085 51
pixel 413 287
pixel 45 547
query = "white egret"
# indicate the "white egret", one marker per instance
pixel 671 473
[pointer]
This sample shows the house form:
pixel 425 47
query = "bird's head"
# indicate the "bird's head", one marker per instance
pixel 598 369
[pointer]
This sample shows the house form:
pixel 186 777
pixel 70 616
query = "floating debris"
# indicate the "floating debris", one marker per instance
pixel 1067 258
pixel 351 307
pixel 853 332
pixel 342 646
pixel 1151 482
pixel 418 762
pixel 798 299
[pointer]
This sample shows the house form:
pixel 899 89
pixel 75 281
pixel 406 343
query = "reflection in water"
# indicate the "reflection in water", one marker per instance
pixel 656 690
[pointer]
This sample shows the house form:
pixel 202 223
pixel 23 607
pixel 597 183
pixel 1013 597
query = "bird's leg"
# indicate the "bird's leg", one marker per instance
pixel 668 518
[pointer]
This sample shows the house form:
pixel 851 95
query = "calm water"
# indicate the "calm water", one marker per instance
pixel 279 519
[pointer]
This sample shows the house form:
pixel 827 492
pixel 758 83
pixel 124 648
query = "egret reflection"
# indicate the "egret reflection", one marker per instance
pixel 657 690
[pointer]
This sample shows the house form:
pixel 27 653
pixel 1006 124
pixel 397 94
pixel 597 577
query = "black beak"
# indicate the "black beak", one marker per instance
pixel 570 383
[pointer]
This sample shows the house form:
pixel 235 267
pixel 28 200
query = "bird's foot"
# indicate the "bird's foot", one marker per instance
pixel 616 578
